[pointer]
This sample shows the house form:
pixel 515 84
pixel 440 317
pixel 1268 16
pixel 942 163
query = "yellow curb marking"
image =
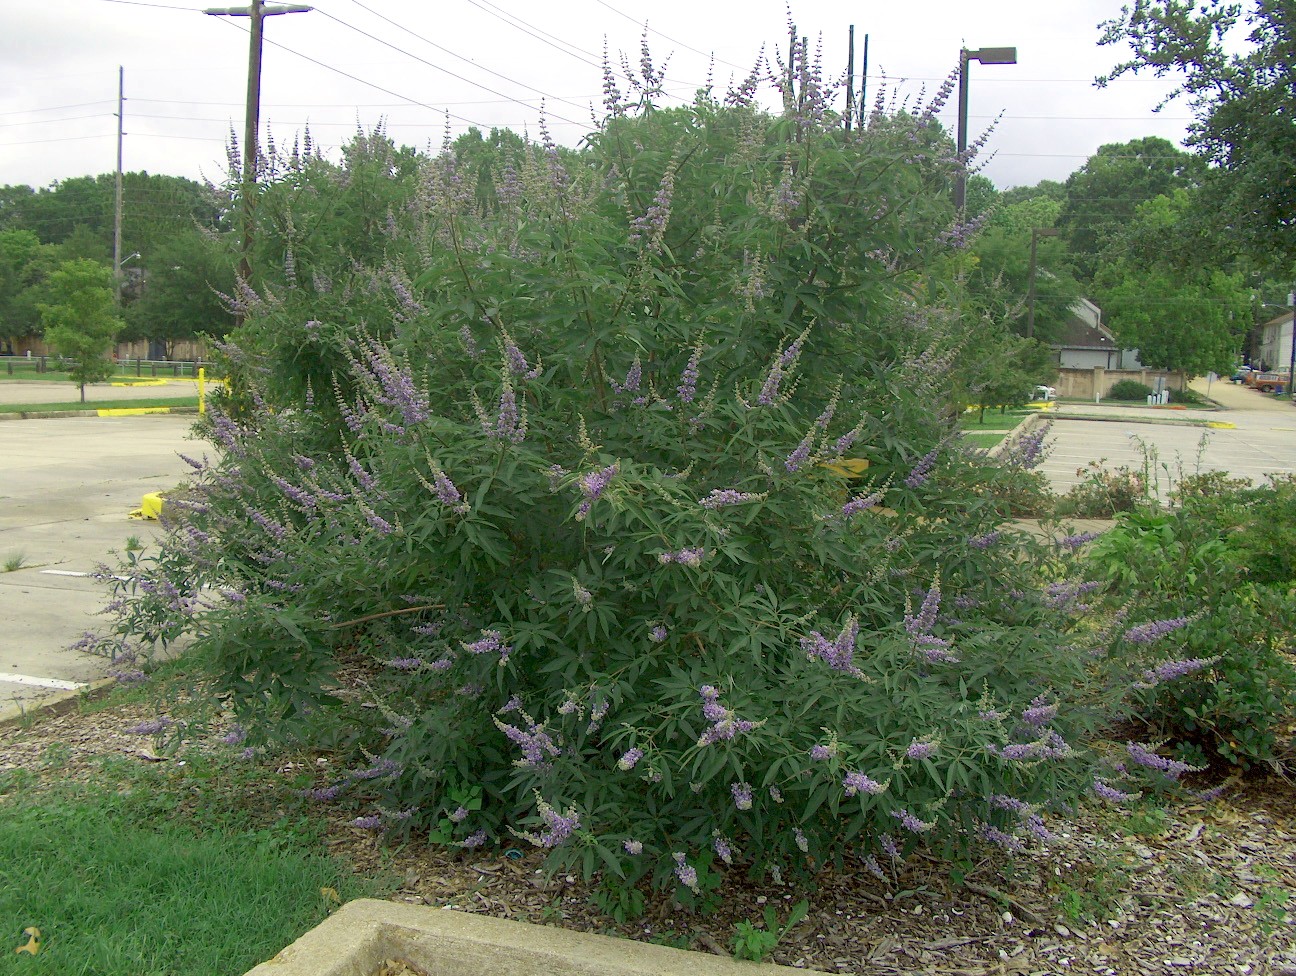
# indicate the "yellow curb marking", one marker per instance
pixel 131 411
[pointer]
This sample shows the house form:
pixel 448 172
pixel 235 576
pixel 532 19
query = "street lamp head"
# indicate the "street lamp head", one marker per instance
pixel 129 257
pixel 992 55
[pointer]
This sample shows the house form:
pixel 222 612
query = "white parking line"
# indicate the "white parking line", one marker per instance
pixel 26 679
pixel 62 572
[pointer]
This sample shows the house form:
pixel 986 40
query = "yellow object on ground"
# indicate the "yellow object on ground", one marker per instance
pixel 151 507
pixel 130 411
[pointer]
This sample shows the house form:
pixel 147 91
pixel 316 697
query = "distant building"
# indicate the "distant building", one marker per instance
pixel 1085 343
pixel 1275 348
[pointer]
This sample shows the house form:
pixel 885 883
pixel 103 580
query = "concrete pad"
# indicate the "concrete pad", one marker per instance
pixel 67 487
pixel 364 934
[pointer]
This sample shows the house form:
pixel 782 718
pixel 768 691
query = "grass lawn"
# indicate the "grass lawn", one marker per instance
pixel 994 420
pixel 982 441
pixel 159 869
pixel 179 401
pixel 31 376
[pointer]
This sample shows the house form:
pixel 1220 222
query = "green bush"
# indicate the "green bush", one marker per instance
pixel 1187 396
pixel 1218 671
pixel 621 489
pixel 1126 390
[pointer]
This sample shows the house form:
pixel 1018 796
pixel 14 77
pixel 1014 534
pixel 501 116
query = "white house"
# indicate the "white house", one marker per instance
pixel 1275 349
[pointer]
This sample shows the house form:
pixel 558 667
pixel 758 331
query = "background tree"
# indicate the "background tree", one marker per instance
pixel 1240 90
pixel 1103 195
pixel 24 263
pixel 81 326
pixel 998 277
pixel 181 296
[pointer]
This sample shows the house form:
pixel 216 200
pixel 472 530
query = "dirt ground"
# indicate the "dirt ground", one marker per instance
pixel 1201 888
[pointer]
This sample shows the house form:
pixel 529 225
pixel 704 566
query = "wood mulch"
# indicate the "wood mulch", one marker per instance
pixel 1205 888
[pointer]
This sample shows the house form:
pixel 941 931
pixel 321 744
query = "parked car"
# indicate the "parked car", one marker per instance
pixel 1267 382
pixel 1045 393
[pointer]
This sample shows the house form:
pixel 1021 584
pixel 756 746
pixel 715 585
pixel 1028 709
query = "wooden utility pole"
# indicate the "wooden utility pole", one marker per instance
pixel 117 206
pixel 257 11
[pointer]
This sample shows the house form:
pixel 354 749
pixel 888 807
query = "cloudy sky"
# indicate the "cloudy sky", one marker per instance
pixel 493 62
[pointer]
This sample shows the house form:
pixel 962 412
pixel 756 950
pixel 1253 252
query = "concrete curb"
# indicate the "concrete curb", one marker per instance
pixel 1023 427
pixel 60 414
pixel 1162 420
pixel 362 935
pixel 51 705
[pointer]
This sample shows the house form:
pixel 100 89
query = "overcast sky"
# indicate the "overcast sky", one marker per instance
pixel 492 62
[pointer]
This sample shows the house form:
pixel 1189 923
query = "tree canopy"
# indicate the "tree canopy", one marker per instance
pixel 1234 63
pixel 82 324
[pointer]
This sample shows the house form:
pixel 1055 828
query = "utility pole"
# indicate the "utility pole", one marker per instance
pixel 850 77
pixel 117 207
pixel 1291 364
pixel 257 11
pixel 1036 234
pixel 863 85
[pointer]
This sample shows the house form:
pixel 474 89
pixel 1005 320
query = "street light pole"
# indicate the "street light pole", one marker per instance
pixel 1036 234
pixel 986 55
pixel 257 11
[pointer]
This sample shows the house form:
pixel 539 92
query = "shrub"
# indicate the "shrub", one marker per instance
pixel 621 494
pixel 1187 396
pixel 1103 493
pixel 1129 390
pixel 1226 641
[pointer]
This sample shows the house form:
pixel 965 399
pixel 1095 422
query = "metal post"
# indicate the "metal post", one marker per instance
pixel 1291 366
pixel 117 209
pixel 960 179
pixel 986 55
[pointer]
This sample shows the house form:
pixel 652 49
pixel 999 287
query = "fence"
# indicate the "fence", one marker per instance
pixel 1096 382
pixel 124 368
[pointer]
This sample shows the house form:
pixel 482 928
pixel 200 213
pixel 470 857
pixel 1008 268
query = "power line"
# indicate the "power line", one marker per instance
pixel 71 118
pixel 437 67
pixel 517 23
pixel 56 108
pixel 452 54
pixel 355 78
pixel 157 6
pixel 39 142
pixel 705 54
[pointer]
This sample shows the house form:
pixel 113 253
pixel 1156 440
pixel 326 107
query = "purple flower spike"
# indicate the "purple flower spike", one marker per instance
pixel 1149 632
pixel 856 782
pixel 742 795
pixel 687 389
pixel 838 653
pixel 922 470
pixel 912 823
pixel 686 873
pixel 592 487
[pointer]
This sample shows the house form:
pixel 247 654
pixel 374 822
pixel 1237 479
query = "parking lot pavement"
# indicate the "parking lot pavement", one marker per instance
pixel 1253 437
pixel 66 488
pixel 41 391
